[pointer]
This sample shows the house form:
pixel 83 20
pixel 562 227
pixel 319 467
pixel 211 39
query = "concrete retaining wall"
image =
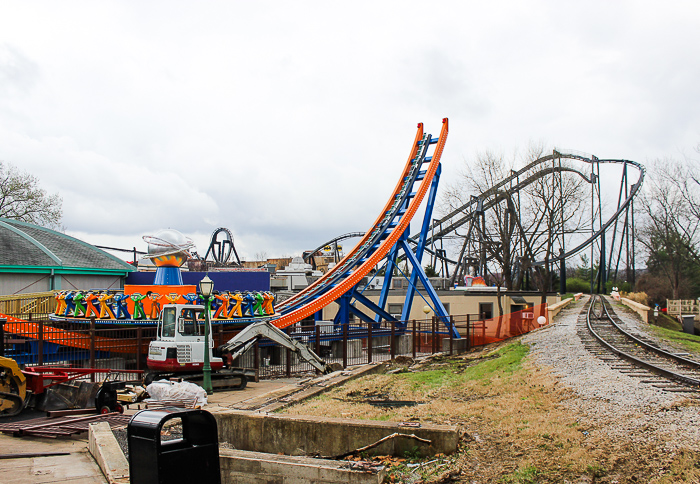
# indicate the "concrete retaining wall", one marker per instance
pixel 554 309
pixel 307 435
pixel 639 308
pixel 106 451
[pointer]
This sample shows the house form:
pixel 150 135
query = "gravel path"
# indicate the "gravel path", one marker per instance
pixel 615 404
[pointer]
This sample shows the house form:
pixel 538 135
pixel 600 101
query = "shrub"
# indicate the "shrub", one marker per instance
pixel 577 285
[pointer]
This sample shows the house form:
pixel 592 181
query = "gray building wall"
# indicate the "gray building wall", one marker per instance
pixel 17 283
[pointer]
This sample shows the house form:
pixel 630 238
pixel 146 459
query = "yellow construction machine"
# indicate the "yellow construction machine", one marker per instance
pixel 13 388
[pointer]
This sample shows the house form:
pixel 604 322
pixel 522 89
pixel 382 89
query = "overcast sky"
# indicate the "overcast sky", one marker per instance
pixel 289 122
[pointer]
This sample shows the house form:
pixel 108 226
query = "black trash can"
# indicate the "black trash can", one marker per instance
pixel 193 458
pixel 688 323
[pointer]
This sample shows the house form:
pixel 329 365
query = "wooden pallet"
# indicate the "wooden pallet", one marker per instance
pixel 62 426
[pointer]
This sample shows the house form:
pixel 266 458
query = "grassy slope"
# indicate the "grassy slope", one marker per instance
pixel 516 430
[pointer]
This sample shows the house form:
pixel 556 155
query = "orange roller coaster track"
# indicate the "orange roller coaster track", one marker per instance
pixel 358 262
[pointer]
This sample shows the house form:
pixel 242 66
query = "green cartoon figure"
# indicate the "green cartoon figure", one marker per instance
pixel 139 313
pixel 79 307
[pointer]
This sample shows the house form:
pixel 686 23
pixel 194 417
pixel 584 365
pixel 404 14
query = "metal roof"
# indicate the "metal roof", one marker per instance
pixel 24 246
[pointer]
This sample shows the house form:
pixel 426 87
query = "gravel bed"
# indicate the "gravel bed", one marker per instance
pixel 614 404
pixel 120 435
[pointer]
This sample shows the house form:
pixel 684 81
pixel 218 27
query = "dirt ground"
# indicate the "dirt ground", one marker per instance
pixel 514 426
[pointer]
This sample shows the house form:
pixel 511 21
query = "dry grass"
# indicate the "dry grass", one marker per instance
pixel 640 297
pixel 515 428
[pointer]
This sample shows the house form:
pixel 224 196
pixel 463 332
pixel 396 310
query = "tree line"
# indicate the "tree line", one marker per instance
pixel 531 224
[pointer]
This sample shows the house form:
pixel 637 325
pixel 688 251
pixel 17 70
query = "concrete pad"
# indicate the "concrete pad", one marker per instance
pixel 76 468
pixel 253 392
pixel 307 388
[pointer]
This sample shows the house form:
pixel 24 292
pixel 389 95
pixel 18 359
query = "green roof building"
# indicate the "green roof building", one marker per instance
pixel 37 259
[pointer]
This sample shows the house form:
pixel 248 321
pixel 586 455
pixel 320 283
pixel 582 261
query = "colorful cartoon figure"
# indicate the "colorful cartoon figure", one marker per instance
pixel 105 310
pixel 70 306
pixel 155 305
pixel 91 300
pixel 258 307
pixel 120 308
pixel 236 299
pixel 139 313
pixel 191 297
pixel 223 297
pixel 248 304
pixel 60 302
pixel 269 299
pixel 173 297
pixel 78 299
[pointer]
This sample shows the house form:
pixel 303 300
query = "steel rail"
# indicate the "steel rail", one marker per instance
pixel 637 361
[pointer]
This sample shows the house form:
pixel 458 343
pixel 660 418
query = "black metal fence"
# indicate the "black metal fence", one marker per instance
pixel 41 342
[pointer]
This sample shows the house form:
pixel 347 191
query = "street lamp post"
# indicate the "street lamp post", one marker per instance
pixel 206 287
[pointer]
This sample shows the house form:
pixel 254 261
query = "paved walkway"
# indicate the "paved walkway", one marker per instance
pixel 76 468
pixel 79 467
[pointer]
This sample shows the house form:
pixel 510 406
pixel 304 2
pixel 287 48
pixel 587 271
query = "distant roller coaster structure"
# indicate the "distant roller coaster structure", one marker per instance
pixel 621 221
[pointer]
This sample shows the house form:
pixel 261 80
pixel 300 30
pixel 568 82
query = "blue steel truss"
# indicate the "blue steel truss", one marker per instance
pixel 413 256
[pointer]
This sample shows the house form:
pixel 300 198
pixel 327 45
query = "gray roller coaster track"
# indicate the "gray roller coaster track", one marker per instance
pixel 349 235
pixel 462 215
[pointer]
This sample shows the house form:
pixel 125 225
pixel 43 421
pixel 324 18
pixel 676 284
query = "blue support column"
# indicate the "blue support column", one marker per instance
pixel 344 311
pixel 432 293
pixel 420 249
pixel 388 276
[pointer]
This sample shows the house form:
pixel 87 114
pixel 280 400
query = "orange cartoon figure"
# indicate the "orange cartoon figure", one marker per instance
pixel 268 299
pixel 236 309
pixel 105 310
pixel 223 297
pixel 90 308
pixel 60 302
pixel 155 305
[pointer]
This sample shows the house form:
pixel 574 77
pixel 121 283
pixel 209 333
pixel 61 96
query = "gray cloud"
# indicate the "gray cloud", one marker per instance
pixel 290 125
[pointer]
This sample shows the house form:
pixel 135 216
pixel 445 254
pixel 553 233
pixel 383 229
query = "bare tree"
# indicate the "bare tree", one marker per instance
pixel 21 198
pixel 495 227
pixel 670 230
pixel 552 203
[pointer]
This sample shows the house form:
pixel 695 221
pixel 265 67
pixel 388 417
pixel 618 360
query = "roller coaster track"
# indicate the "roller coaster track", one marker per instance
pixel 496 194
pixel 349 235
pixel 640 353
pixel 376 243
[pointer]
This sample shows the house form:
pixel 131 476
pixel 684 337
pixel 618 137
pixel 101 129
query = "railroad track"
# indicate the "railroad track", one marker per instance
pixel 604 335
